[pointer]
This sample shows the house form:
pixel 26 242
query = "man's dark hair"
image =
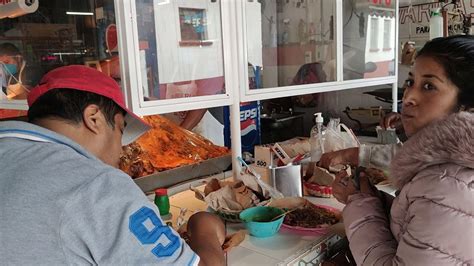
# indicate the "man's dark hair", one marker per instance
pixel 456 55
pixel 69 105
pixel 9 49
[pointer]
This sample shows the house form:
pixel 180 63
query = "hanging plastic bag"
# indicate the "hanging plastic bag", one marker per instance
pixel 335 139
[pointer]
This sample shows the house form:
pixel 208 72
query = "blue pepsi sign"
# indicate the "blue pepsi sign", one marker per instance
pixel 249 126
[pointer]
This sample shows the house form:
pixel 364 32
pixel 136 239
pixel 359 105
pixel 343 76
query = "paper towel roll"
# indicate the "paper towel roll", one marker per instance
pixel 15 8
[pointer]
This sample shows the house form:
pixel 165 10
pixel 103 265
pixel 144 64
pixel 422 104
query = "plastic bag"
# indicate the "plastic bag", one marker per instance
pixel 253 180
pixel 335 139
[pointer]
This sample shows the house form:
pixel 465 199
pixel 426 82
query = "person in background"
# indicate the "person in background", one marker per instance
pixel 201 121
pixel 431 221
pixel 63 199
pixel 10 58
pixel 12 65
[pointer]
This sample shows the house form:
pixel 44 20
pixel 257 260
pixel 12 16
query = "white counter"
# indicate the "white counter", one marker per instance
pixel 286 247
pixel 281 248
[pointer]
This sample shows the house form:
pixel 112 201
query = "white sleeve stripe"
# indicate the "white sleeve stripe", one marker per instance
pixel 194 260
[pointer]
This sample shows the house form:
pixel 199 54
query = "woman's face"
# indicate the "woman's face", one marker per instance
pixel 429 95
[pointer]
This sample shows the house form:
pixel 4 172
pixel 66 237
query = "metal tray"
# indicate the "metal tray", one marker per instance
pixel 183 173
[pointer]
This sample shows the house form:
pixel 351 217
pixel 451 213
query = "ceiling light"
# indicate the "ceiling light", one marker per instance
pixel 80 13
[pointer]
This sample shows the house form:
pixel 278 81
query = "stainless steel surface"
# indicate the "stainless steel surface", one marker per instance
pixel 184 173
pixel 287 179
pixel 316 253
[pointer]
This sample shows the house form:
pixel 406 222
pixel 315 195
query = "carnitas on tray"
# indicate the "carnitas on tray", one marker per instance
pixel 166 146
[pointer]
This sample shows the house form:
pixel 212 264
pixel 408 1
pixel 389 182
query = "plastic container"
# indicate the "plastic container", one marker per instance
pixel 436 24
pixel 257 220
pixel 318 190
pixel 316 140
pixel 162 201
pixel 287 180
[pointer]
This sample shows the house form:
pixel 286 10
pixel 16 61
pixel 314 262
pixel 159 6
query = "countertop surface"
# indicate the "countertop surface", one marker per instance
pixel 257 251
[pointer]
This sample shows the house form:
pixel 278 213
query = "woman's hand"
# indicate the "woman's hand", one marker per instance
pixel 366 187
pixel 346 156
pixel 392 120
pixel 343 186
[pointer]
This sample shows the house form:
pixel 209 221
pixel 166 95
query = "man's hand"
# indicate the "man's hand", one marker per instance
pixel 346 156
pixel 392 120
pixel 206 235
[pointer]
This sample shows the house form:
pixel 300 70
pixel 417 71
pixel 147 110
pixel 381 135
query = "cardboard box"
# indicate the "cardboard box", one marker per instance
pixel 266 156
pixel 281 153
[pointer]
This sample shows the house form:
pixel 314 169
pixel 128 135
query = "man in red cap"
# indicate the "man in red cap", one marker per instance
pixel 63 199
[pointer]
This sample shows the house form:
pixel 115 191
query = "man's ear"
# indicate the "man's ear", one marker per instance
pixel 93 118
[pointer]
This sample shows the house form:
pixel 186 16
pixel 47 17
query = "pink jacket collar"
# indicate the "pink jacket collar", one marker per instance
pixel 448 141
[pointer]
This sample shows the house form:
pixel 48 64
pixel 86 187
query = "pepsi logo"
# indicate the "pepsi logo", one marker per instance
pixel 247 126
pixel 246 114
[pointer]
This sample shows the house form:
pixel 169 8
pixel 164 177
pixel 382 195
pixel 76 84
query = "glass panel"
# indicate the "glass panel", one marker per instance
pixel 295 43
pixel 180 46
pixel 387 34
pixel 369 38
pixel 55 34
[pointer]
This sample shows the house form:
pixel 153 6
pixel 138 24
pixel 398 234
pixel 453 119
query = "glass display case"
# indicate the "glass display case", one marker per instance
pixel 302 47
pixel 182 54
pixel 178 55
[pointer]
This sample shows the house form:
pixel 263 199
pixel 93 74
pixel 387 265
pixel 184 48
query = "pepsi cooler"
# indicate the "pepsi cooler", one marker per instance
pixel 249 126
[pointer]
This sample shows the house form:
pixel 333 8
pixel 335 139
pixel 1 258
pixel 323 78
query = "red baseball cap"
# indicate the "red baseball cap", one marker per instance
pixel 83 78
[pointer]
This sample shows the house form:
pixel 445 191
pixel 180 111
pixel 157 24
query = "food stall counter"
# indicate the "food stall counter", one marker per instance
pixel 284 248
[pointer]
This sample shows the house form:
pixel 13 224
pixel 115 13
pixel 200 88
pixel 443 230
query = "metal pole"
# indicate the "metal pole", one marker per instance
pixel 235 63
pixel 395 84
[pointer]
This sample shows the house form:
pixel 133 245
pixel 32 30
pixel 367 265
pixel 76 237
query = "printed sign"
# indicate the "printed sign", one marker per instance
pixel 415 20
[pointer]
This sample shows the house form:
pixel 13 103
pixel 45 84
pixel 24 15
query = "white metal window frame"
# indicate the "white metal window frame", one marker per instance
pixel 277 92
pixel 235 66
pixel 132 81
pixel 235 70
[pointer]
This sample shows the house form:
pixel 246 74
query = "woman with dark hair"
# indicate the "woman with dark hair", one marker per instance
pixel 431 221
pixel 454 54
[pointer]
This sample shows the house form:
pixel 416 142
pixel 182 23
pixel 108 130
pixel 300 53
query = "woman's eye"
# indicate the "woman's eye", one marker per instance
pixel 428 86
pixel 408 82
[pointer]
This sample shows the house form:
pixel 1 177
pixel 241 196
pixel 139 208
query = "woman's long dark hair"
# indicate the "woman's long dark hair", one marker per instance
pixel 456 55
